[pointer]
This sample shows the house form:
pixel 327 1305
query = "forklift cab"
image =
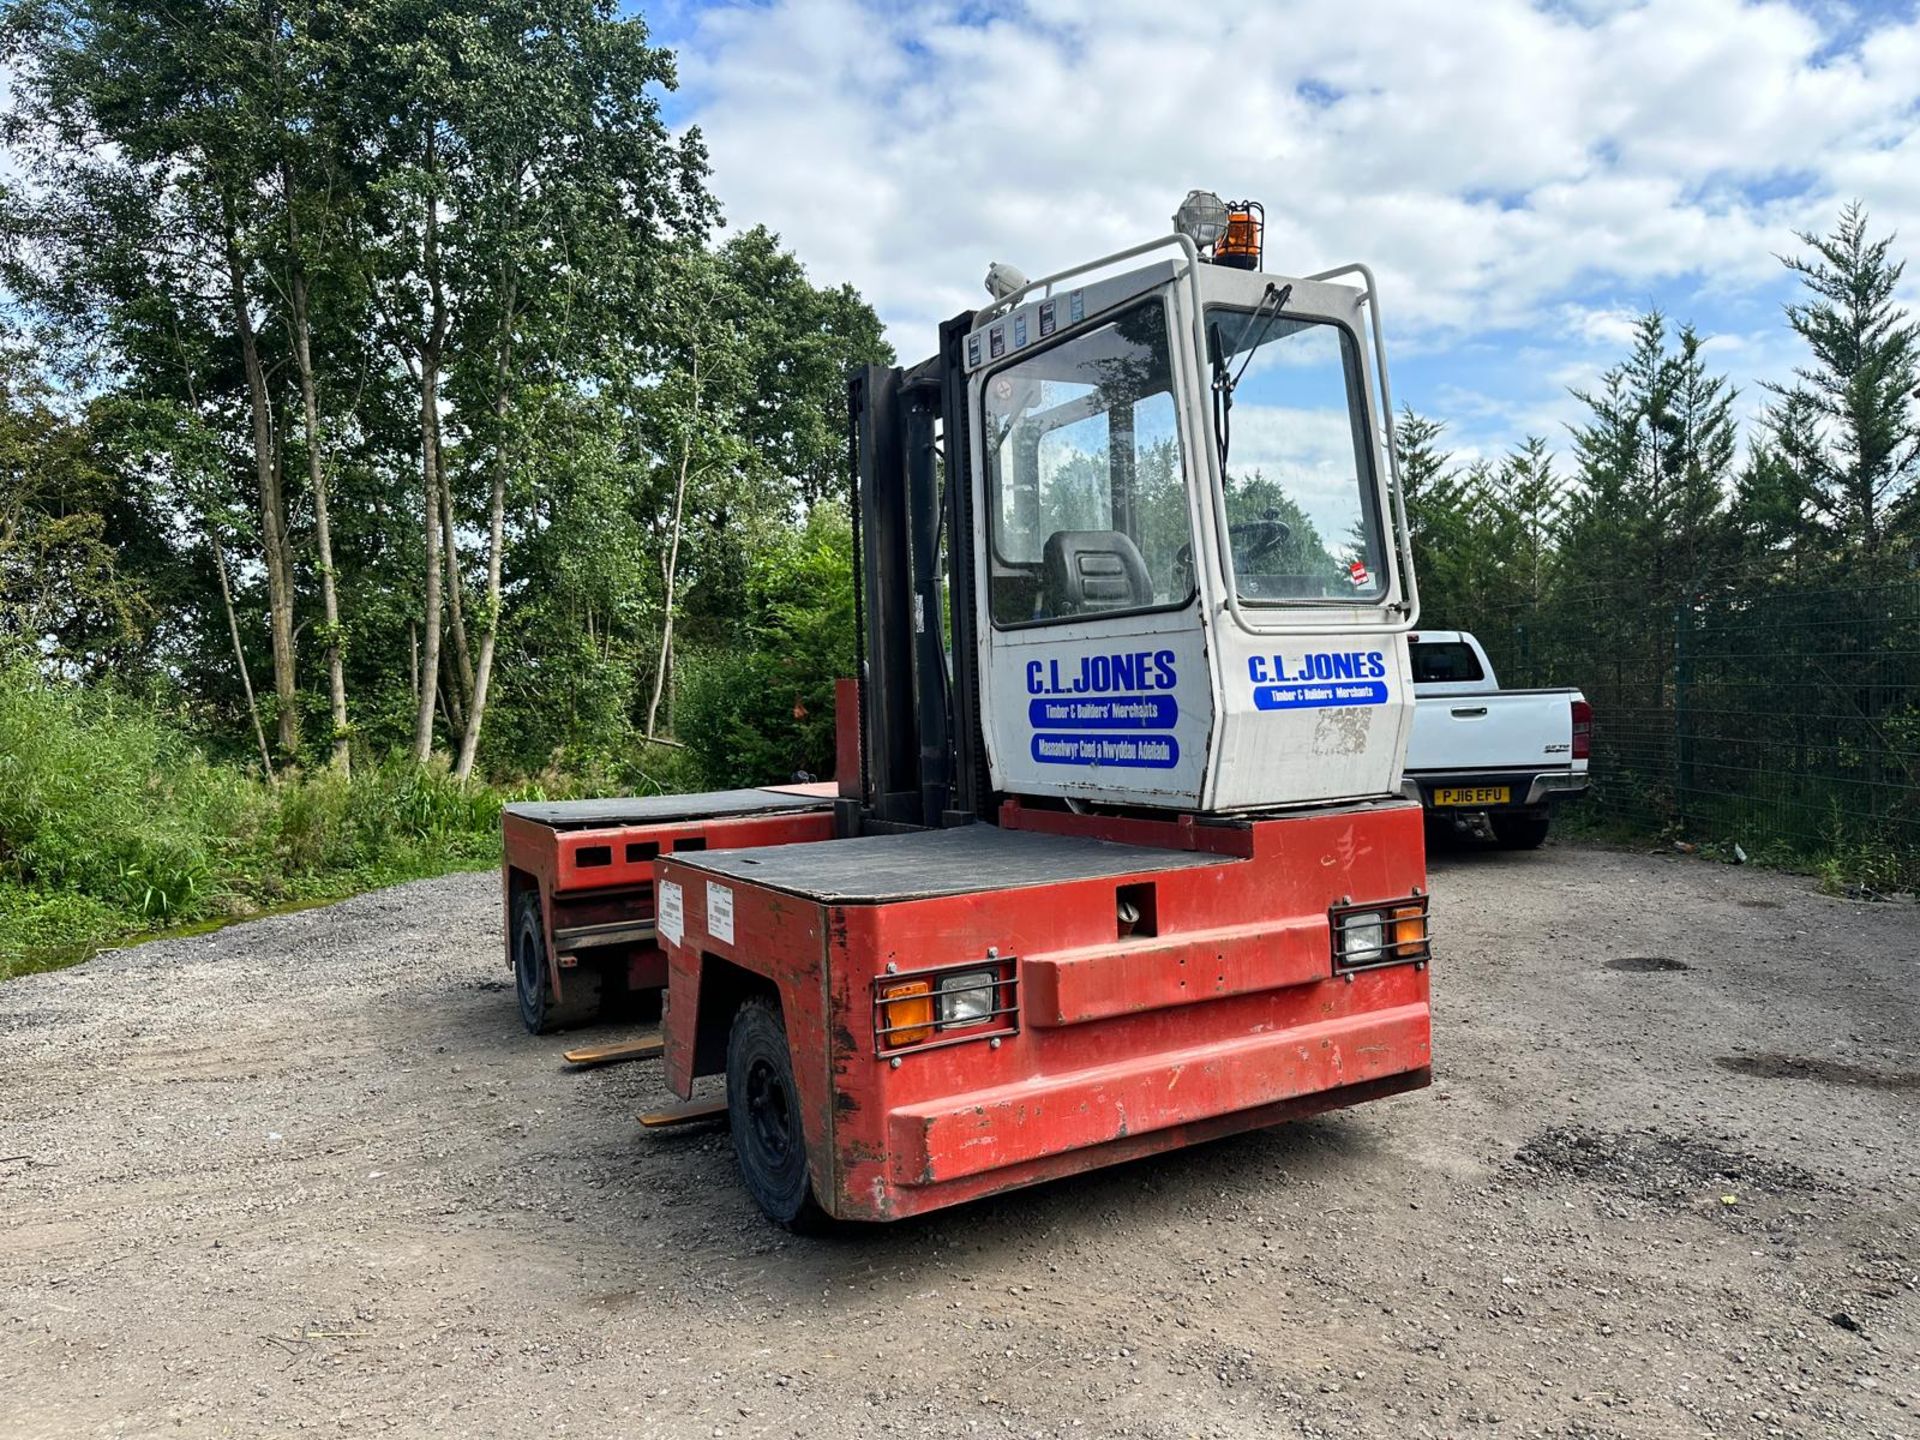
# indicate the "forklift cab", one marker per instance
pixel 1191 591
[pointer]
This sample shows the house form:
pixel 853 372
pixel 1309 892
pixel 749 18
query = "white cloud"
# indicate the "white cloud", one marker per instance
pixel 1499 164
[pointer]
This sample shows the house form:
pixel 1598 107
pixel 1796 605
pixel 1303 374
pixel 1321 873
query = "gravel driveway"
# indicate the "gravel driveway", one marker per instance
pixel 308 1174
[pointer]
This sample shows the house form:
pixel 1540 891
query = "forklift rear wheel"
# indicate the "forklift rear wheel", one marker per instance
pixel 1519 832
pixel 540 1010
pixel 763 1107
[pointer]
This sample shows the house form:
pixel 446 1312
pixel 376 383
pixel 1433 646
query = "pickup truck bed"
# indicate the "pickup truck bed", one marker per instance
pixel 1478 750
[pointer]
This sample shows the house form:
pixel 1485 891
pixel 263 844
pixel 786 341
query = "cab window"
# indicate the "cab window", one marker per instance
pixel 1444 662
pixel 1086 477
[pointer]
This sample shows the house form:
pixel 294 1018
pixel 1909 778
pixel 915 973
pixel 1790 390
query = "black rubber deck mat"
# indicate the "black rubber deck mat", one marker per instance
pixel 917 866
pixel 664 809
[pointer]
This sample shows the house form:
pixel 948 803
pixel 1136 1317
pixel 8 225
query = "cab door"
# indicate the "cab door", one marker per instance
pixel 1095 682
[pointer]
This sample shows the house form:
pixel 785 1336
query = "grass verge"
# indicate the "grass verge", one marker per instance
pixel 113 826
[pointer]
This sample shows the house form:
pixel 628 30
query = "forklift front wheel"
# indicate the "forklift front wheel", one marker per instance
pixel 540 1010
pixel 763 1107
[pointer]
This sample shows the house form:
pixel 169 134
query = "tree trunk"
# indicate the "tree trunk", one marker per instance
pixel 453 707
pixel 239 651
pixel 430 617
pixel 317 478
pixel 673 555
pixel 272 507
pixel 456 594
pixel 496 534
pixel 430 474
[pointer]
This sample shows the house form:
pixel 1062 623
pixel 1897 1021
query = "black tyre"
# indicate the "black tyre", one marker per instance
pixel 1519 832
pixel 540 1010
pixel 763 1107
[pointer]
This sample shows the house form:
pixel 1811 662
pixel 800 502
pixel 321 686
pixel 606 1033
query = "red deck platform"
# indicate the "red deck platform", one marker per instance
pixel 590 862
pixel 1145 994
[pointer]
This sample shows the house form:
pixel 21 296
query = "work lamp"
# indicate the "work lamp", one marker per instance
pixel 1202 218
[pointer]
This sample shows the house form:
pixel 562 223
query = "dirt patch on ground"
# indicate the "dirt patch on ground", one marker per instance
pixel 1662 1169
pixel 308 1175
pixel 1824 1072
pixel 1648 964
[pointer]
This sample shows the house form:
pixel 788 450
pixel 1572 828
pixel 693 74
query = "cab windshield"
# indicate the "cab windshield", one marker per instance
pixel 1086 478
pixel 1299 472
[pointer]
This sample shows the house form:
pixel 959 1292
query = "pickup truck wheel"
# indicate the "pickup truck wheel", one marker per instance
pixel 540 1010
pixel 763 1107
pixel 1519 832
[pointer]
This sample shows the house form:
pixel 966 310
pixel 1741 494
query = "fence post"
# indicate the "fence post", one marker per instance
pixel 1682 739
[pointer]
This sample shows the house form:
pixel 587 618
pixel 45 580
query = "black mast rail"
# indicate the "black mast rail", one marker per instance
pixel 921 735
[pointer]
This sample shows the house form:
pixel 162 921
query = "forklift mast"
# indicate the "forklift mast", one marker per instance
pixel 921 753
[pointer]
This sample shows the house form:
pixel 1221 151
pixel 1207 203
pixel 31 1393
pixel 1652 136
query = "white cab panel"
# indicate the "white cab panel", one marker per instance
pixel 1118 712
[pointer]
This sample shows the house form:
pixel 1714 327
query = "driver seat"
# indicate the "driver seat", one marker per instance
pixel 1088 571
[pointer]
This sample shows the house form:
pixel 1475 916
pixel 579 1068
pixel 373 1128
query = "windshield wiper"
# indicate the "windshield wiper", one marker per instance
pixel 1224 384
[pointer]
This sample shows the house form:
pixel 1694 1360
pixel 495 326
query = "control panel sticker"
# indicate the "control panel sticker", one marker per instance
pixel 1047 318
pixel 1020 330
pixel 1078 704
pixel 671 917
pixel 1318 680
pixel 720 911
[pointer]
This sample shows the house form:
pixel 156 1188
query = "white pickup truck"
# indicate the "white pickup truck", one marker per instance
pixel 1476 749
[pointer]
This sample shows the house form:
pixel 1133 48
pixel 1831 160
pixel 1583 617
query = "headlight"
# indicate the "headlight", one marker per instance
pixel 964 998
pixel 1361 938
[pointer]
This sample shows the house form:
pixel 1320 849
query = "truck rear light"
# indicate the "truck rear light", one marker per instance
pixel 1391 932
pixel 1409 932
pixel 1582 729
pixel 972 1000
pixel 906 1014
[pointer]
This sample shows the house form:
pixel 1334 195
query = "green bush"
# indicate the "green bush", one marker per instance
pixel 111 823
pixel 762 711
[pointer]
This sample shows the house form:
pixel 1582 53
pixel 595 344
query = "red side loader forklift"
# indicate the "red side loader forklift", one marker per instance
pixel 1118 858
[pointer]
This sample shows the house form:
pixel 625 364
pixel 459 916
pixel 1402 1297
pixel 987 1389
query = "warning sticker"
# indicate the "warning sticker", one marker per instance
pixel 671 919
pixel 720 912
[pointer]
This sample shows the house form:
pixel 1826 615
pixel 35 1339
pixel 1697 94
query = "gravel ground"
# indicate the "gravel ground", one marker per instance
pixel 308 1174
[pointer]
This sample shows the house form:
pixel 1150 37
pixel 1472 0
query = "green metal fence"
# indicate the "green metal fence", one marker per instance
pixel 1781 720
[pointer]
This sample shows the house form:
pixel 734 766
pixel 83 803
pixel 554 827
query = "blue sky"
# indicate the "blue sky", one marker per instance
pixel 1525 178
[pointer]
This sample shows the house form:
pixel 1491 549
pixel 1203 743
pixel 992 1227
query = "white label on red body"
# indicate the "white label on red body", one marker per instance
pixel 720 912
pixel 672 918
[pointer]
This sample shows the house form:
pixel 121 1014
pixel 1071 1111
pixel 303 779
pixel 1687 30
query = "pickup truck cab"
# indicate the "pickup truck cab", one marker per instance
pixel 1478 750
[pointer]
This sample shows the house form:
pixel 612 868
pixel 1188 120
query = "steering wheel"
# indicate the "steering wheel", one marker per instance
pixel 1260 539
pixel 1256 540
